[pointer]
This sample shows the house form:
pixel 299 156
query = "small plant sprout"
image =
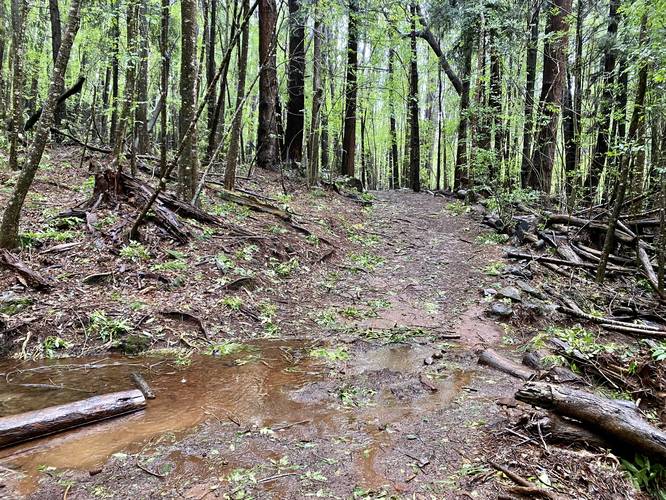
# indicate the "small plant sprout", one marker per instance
pixel 232 302
pixel 107 328
pixel 135 252
pixel 330 354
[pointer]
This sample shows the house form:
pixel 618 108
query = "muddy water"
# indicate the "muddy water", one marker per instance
pixel 250 388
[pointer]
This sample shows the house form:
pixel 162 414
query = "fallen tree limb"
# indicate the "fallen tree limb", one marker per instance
pixel 613 420
pixel 494 360
pixel 29 276
pixel 142 385
pixel 566 263
pixel 34 424
pixel 559 430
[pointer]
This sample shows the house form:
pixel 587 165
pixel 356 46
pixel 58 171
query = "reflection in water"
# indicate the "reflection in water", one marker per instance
pixel 249 388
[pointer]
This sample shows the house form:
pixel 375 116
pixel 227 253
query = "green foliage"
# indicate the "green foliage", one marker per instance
pixel 457 208
pixel 170 265
pixel 107 328
pixel 494 268
pixel 52 344
pixel 232 302
pixel 352 396
pixel 330 354
pixel 492 238
pixel 659 351
pixel 646 475
pixel 285 269
pixel 135 252
pixel 247 252
pixel 366 261
pixel 225 348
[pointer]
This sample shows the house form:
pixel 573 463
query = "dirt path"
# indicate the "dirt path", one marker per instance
pixel 381 400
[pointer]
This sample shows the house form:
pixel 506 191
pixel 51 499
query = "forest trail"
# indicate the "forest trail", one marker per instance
pixel 377 392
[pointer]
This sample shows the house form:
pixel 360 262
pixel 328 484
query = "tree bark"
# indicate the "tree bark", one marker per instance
pixel 317 99
pixel 460 175
pixel 267 130
pixel 293 140
pixel 141 117
pixel 188 165
pixel 393 129
pixel 617 421
pixel 237 124
pixel 554 72
pixel 56 40
pixel 19 15
pixel 606 104
pixel 351 90
pixel 11 216
pixel 531 65
pixel 164 81
pixel 414 136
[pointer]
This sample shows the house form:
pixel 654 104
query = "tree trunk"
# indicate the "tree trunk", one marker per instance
pixel 554 73
pixel 210 69
pixel 606 104
pixel 526 171
pixel 11 216
pixel 460 174
pixel 237 124
pixel 617 421
pixel 351 89
pixel 267 130
pixel 15 429
pixel 293 141
pixel 414 136
pixel 317 98
pixel 495 108
pixel 141 117
pixel 164 81
pixel 115 69
pixel 56 40
pixel 393 130
pixel 188 165
pixel 19 15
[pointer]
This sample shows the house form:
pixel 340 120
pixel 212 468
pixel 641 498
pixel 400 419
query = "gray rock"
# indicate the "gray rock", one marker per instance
pixel 501 309
pixel 489 292
pixel 521 272
pixel 527 288
pixel 510 292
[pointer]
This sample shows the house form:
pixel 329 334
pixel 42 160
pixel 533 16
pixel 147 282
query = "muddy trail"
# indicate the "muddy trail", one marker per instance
pixel 374 392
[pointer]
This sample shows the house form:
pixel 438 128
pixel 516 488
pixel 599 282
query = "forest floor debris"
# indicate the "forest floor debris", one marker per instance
pixel 279 373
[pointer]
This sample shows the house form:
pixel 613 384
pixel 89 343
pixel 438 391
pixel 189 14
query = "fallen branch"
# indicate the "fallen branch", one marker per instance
pixel 619 422
pixel 499 362
pixel 26 275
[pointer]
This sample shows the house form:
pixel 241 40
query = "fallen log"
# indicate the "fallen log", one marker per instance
pixel 616 421
pixel 556 429
pixel 15 429
pixel 27 275
pixel 567 263
pixel 142 385
pixel 494 360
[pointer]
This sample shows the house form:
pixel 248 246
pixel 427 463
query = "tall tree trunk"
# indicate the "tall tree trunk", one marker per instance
pixel 495 106
pixel 237 124
pixel 317 97
pixel 56 40
pixel 414 135
pixel 440 120
pixel 3 37
pixel 578 93
pixel 606 104
pixel 293 141
pixel 115 69
pixel 526 170
pixel 11 216
pixel 550 102
pixel 126 117
pixel 267 130
pixel 628 157
pixel 19 15
pixel 393 129
pixel 164 82
pixel 141 117
pixel 210 69
pixel 460 174
pixel 188 165
pixel 351 90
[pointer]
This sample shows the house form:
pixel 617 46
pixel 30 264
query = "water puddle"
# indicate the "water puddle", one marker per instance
pixel 254 387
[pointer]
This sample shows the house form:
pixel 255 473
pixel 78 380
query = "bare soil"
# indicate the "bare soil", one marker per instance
pixel 350 374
